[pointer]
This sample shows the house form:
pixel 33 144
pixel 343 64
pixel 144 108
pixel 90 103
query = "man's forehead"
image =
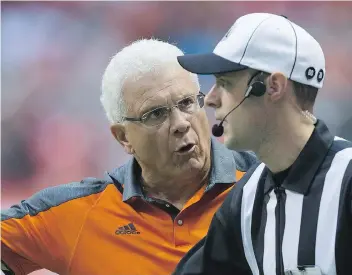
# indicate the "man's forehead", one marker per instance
pixel 172 86
pixel 172 83
pixel 172 90
pixel 157 80
pixel 158 89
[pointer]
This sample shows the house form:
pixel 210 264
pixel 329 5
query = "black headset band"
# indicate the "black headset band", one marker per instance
pixel 256 87
pixel 254 76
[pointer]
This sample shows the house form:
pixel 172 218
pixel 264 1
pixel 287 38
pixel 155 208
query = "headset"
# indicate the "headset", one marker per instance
pixel 257 89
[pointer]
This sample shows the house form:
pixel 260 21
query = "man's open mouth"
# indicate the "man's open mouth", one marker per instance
pixel 186 149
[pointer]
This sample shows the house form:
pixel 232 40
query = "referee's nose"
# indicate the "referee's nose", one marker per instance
pixel 212 99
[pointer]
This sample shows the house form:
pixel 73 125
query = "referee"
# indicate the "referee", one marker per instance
pixel 292 213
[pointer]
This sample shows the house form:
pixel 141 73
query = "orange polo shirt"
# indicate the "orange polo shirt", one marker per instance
pixel 108 227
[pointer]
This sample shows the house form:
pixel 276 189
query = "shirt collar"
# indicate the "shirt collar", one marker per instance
pixel 308 162
pixel 223 170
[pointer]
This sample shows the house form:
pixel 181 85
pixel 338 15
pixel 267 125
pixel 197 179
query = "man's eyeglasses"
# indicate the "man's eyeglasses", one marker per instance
pixel 157 116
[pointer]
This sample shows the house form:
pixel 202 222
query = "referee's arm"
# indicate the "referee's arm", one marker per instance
pixel 348 191
pixel 350 199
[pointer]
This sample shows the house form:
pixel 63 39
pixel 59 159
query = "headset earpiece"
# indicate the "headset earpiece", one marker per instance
pixel 257 89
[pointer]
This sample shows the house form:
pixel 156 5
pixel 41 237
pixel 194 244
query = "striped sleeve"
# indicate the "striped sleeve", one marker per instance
pixel 348 177
pixel 49 219
pixel 347 184
pixel 351 199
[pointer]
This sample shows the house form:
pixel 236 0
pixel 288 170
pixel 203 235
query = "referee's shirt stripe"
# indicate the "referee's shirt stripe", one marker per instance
pixel 339 138
pixel 280 230
pixel 327 219
pixel 259 214
pixel 269 266
pixel 293 212
pixel 249 192
pixel 309 220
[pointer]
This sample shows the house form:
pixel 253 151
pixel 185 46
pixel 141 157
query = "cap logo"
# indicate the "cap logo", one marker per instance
pixel 320 75
pixel 310 73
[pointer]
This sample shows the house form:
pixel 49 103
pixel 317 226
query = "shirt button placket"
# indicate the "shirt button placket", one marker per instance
pixel 181 234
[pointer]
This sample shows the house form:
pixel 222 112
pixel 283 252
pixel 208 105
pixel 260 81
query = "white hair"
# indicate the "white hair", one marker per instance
pixel 132 62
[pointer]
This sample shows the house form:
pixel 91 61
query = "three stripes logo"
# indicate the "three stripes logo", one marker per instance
pixel 129 229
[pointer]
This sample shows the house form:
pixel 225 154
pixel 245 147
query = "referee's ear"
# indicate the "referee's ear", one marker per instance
pixel 277 84
pixel 119 132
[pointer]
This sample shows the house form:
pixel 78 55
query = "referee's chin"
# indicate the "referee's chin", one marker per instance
pixel 232 142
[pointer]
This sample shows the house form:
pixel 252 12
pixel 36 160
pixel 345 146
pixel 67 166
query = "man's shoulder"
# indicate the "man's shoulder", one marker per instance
pixel 243 160
pixel 341 154
pixel 340 151
pixel 56 196
pixel 254 173
pixel 233 202
pixel 340 144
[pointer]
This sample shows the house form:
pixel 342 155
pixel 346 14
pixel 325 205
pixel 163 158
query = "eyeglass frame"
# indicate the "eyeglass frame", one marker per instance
pixel 199 96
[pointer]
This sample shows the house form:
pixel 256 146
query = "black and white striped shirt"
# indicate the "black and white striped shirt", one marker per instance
pixel 265 228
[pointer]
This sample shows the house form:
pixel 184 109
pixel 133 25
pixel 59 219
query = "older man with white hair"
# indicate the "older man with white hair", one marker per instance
pixel 145 215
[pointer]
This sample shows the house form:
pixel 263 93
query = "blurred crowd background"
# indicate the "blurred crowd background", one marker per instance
pixel 53 55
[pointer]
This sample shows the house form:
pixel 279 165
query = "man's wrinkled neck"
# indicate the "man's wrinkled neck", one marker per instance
pixel 175 190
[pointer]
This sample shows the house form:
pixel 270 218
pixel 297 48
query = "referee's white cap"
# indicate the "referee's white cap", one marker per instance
pixel 265 42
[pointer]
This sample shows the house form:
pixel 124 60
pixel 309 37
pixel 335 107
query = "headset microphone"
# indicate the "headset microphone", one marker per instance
pixel 257 89
pixel 218 129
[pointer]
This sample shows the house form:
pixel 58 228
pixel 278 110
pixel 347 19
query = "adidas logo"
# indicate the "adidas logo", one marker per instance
pixel 127 230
